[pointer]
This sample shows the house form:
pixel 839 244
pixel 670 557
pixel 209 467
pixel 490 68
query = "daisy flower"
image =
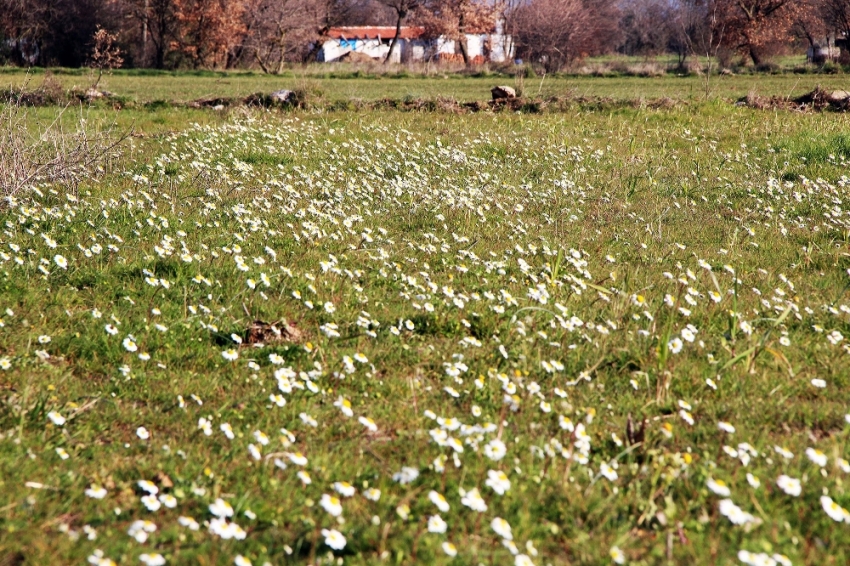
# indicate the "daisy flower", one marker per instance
pixel 789 485
pixel 334 539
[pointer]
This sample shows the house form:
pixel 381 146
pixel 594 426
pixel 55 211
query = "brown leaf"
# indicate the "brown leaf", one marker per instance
pixel 162 479
pixel 264 333
pixel 635 435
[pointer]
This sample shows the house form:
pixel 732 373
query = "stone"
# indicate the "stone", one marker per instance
pixel 502 92
pixel 283 96
pixel 93 93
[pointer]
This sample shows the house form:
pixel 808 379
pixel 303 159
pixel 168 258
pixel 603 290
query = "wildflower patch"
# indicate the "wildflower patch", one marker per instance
pixel 618 338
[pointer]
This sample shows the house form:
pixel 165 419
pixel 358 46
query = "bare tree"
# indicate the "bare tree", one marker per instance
pixel 559 32
pixel 754 27
pixel 648 26
pixel 320 16
pixel 277 31
pixel 505 10
pixel 209 30
pixel 402 9
pixel 689 26
pixel 836 16
pixel 810 22
pixel 160 23
pixel 699 29
pixel 454 19
pixel 53 32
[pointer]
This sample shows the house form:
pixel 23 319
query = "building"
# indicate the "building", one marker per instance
pixel 825 49
pixel 357 43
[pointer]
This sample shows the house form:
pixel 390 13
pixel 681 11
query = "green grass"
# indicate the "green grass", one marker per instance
pixel 157 87
pixel 452 253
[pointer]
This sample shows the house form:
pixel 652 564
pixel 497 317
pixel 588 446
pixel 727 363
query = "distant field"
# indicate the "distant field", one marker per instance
pixel 182 87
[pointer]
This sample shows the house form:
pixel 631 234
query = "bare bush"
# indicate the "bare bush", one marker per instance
pixel 34 153
pixel 556 33
pixel 277 33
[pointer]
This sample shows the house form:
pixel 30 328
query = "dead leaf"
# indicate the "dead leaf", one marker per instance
pixel 635 435
pixel 162 479
pixel 264 333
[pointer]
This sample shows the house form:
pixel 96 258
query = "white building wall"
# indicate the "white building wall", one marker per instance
pixel 414 50
pixel 333 49
pixel 398 50
pixel 500 48
pixel 445 45
pixel 475 45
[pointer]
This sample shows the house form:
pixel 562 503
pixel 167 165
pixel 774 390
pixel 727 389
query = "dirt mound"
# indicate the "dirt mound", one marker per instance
pixel 439 104
pixel 357 57
pixel 213 102
pixel 818 100
pixel 264 333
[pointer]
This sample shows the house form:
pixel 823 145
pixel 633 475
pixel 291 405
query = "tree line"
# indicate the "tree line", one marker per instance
pixel 269 34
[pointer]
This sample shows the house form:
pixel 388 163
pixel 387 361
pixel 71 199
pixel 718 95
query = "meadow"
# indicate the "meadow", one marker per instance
pixel 264 337
pixel 339 82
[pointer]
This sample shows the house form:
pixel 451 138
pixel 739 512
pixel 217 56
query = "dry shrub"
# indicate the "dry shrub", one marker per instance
pixel 49 93
pixel 647 69
pixel 105 54
pixel 34 153
pixel 557 33
pixel 818 100
pixel 663 103
pixel 595 70
pixel 622 68
pixel 754 100
pixel 308 92
pixel 693 67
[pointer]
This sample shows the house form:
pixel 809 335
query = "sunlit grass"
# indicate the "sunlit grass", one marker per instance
pixel 342 84
pixel 557 339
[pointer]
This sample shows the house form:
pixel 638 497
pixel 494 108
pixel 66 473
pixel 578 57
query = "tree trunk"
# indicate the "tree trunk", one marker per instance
pixel 464 50
pixel 311 55
pixel 145 34
pixel 159 55
pixel 755 56
pixel 400 17
pixel 160 43
pixel 261 62
pixel 282 48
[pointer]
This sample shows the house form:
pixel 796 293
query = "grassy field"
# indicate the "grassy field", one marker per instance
pixel 426 338
pixel 336 83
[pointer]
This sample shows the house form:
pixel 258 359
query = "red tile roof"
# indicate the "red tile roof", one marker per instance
pixel 375 32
